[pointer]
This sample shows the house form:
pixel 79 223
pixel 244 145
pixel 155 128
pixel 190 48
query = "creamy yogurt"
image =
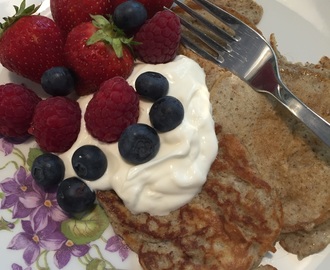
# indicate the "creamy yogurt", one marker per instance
pixel 179 170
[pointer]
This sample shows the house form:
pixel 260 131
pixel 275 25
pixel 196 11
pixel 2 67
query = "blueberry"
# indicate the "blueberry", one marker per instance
pixel 89 162
pixel 74 196
pixel 129 15
pixel 151 85
pixel 48 170
pixel 166 114
pixel 138 143
pixel 58 81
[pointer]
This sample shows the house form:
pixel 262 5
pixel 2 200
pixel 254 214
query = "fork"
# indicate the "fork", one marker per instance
pixel 249 56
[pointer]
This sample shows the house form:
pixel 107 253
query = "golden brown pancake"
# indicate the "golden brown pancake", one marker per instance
pixel 305 243
pixel 288 155
pixel 231 224
pixel 259 142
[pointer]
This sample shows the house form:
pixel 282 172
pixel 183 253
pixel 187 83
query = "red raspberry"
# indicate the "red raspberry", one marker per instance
pixel 113 107
pixel 159 38
pixel 56 124
pixel 17 104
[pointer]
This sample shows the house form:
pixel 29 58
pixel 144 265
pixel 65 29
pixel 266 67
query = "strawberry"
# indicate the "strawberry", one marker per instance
pixel 113 107
pixel 152 6
pixel 97 51
pixel 30 44
pixel 56 124
pixel 17 104
pixel 69 13
pixel 159 38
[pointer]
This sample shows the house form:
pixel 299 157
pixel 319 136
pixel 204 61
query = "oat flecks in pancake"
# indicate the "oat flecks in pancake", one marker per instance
pixel 288 156
pixel 246 9
pixel 305 243
pixel 279 149
pixel 229 225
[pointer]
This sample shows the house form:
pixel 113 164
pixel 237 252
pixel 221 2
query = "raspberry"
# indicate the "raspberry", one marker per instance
pixel 17 104
pixel 159 38
pixel 113 107
pixel 56 124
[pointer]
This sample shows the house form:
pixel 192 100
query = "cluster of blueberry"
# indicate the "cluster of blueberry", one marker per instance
pixel 73 195
pixel 138 144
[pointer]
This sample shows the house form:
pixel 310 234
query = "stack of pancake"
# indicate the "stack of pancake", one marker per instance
pixel 268 183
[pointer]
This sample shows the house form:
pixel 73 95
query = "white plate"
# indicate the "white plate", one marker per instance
pixel 302 28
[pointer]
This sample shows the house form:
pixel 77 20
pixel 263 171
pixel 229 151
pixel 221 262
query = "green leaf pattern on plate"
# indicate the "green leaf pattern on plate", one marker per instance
pixel 51 239
pixel 87 229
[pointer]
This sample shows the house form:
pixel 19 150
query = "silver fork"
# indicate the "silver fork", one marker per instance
pixel 248 55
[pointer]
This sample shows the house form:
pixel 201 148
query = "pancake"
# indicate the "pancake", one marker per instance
pixel 287 154
pixel 265 154
pixel 305 243
pixel 231 224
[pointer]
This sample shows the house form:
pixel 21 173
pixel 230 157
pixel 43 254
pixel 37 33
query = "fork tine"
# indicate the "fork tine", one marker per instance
pixel 218 31
pixel 192 46
pixel 217 47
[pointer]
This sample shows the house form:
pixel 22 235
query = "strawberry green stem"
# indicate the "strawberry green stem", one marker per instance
pixel 110 34
pixel 20 12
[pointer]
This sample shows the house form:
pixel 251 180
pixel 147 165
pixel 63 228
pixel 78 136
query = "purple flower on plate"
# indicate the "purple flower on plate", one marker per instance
pixel 7 144
pixel 14 188
pixel 116 244
pixel 32 241
pixel 43 205
pixel 15 266
pixel 68 249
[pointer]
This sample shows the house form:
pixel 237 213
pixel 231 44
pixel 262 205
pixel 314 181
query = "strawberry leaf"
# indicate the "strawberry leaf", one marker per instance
pixel 117 47
pixel 109 34
pixel 20 12
pixel 100 21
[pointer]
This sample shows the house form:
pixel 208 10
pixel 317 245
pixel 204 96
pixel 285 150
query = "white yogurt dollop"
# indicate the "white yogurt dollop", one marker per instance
pixel 179 170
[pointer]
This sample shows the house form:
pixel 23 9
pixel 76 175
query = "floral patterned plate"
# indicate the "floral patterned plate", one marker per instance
pixel 34 232
pixel 36 235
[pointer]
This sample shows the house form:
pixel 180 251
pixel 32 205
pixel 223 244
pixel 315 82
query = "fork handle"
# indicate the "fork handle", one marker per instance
pixel 316 123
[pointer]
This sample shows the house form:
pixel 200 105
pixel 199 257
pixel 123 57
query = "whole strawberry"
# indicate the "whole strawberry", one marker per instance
pixel 30 44
pixel 56 124
pixel 113 107
pixel 69 13
pixel 97 51
pixel 152 6
pixel 159 38
pixel 17 104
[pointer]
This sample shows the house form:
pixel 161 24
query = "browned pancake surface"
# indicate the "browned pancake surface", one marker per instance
pixel 214 231
pixel 286 153
pixel 229 225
